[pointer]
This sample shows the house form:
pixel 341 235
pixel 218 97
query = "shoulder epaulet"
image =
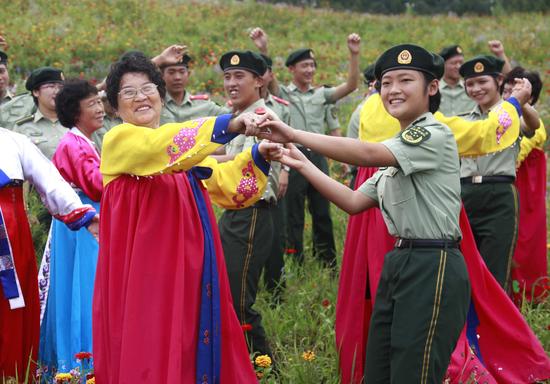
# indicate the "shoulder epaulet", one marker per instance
pixel 199 97
pixel 24 120
pixel 280 101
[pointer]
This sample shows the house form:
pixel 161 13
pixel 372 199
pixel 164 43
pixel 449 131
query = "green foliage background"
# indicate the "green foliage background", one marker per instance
pixel 84 37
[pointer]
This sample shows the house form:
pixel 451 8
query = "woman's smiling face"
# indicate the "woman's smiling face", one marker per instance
pixel 142 109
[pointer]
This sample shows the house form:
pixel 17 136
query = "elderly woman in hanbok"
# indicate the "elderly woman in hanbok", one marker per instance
pixel 66 291
pixel 21 160
pixel 162 310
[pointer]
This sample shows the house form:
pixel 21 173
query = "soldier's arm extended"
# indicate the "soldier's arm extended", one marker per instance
pixel 354 43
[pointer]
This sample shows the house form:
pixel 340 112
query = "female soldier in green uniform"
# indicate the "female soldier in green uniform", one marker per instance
pixel 423 294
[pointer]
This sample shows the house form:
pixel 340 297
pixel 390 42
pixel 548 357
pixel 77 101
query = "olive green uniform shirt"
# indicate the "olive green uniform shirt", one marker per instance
pixel 18 108
pixel 308 110
pixel 501 163
pixel 190 108
pixel 281 110
pixel 454 100
pixel 420 199
pixel 242 142
pixel 355 120
pixel 7 97
pixel 44 133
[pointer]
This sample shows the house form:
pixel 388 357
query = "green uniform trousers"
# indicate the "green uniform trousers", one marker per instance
pixel 274 266
pixel 493 213
pixel 420 310
pixel 247 237
pixel 298 190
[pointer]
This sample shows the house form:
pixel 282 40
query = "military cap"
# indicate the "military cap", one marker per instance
pixel 267 60
pixel 3 58
pixel 247 60
pixel 451 51
pixel 43 75
pixel 368 74
pixel 409 56
pixel 481 65
pixel 299 55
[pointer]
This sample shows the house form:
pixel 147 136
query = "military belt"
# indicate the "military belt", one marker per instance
pixel 426 243
pixel 487 179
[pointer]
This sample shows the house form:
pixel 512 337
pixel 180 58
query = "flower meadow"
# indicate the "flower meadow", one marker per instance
pixel 84 37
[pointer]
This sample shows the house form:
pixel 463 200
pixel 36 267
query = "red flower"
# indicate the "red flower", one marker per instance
pixel 291 251
pixel 325 303
pixel 83 355
pixel 246 327
pixel 548 327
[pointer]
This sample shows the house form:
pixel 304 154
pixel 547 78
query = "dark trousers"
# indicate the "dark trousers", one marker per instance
pixel 273 271
pixel 420 310
pixel 299 189
pixel 247 237
pixel 493 213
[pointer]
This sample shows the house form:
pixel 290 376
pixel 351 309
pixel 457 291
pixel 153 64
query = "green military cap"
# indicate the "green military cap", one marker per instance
pixel 481 65
pixel 451 51
pixel 247 60
pixel 44 75
pixel 409 56
pixel 267 60
pixel 3 58
pixel 368 74
pixel 299 55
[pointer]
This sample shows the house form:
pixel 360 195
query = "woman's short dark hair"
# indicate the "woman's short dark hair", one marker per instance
pixel 532 76
pixel 67 101
pixel 136 63
pixel 434 100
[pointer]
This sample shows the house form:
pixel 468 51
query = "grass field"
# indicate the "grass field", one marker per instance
pixel 84 37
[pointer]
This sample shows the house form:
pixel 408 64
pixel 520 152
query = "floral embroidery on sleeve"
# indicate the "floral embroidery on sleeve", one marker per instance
pixel 184 140
pixel 248 186
pixel 505 122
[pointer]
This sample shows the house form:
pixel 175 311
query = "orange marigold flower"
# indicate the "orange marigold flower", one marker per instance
pixel 246 327
pixel 263 361
pixel 308 355
pixel 63 377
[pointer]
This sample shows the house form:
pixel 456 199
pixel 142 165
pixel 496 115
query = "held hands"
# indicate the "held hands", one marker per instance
pixel 354 43
pixel 522 90
pixel 259 38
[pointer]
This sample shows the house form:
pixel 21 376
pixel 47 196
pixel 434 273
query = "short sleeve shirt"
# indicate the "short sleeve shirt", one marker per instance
pixel 308 109
pixel 420 198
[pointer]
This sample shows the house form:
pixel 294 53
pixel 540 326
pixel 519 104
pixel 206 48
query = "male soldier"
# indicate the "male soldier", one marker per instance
pixel 247 234
pixel 179 105
pixel 308 112
pixel 43 127
pixel 454 100
pixel 5 94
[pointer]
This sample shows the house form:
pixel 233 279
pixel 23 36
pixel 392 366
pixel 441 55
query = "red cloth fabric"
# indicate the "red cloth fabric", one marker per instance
pixel 530 263
pixel 19 328
pixel 147 291
pixel 510 350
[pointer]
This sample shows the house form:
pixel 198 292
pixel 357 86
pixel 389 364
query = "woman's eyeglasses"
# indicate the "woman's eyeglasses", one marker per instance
pixel 131 92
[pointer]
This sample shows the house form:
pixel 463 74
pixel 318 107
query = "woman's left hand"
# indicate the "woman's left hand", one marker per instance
pixel 93 227
pixel 270 151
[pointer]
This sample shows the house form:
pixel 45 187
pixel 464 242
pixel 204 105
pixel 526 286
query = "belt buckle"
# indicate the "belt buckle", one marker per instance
pixel 477 179
pixel 398 243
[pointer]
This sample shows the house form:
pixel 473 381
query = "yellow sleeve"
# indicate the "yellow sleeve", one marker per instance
pixel 495 133
pixel 238 183
pixel 141 151
pixel 528 144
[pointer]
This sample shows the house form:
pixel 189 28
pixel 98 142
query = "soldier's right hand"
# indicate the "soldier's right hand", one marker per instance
pixel 259 37
pixel 522 90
